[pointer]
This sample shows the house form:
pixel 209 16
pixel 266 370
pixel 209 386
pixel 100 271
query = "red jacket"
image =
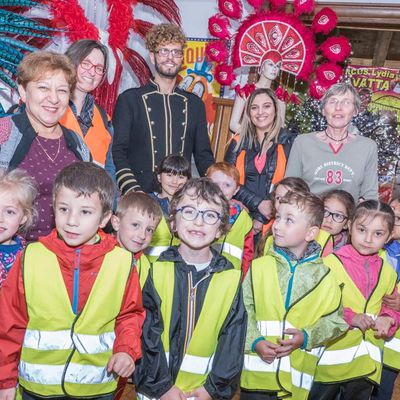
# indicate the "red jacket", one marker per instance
pixel 13 312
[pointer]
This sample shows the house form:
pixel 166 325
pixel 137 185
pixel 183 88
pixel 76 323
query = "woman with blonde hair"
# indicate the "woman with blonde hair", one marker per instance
pixel 260 152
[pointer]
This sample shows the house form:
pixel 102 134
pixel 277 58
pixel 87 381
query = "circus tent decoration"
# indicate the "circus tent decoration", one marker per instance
pixel 281 37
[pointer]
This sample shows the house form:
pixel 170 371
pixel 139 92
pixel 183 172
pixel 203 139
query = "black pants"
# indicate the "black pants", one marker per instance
pixel 357 389
pixel 28 396
pixel 385 390
pixel 245 395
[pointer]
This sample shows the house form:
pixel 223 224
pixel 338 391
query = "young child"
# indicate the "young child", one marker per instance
pixel 193 337
pixel 71 305
pixel 173 173
pixel 135 221
pixel 238 244
pixel 17 214
pixel 339 207
pixel 391 356
pixel 293 305
pixel 352 364
pixel 292 184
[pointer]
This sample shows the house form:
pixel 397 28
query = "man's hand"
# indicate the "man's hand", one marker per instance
pixel 382 326
pixel 363 322
pixel 173 394
pixel 199 393
pixel 265 208
pixel 122 364
pixel 288 345
pixel 266 350
pixel 392 301
pixel 8 394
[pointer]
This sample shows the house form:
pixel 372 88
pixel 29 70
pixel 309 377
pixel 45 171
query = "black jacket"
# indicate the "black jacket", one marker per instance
pixel 153 377
pixel 149 126
pixel 257 186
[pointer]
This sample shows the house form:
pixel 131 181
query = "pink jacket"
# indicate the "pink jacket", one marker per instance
pixel 364 272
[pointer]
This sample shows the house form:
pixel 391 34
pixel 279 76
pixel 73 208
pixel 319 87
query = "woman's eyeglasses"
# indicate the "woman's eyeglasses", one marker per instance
pixel 87 65
pixel 337 217
pixel 189 213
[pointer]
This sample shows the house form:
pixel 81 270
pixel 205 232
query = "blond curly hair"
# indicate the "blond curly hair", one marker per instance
pixel 164 34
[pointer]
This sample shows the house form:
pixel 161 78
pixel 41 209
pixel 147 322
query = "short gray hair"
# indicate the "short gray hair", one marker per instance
pixel 341 88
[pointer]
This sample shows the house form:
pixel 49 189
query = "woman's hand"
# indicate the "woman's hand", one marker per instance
pixel 265 208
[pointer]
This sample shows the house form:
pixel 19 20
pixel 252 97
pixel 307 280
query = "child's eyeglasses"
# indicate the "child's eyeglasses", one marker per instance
pixel 87 65
pixel 189 213
pixel 337 217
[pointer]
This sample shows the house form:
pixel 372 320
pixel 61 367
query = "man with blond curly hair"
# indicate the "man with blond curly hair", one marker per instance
pixel 159 119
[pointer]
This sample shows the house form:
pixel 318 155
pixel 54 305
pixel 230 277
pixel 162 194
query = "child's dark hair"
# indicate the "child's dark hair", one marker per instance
pixel 206 190
pixel 176 165
pixel 86 178
pixel 293 183
pixel 308 203
pixel 375 208
pixel 139 202
pixel 343 197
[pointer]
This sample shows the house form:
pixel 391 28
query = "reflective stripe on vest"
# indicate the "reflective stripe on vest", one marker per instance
pixel 293 373
pixel 155 251
pixel 280 167
pixel 230 249
pixel 97 138
pixel 356 354
pixel 78 374
pixel 58 340
pixel 61 340
pixel 198 358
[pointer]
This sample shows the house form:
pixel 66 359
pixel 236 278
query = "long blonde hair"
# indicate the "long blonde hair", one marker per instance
pixel 248 132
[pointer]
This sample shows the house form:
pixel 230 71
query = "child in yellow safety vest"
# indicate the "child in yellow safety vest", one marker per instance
pixel 352 364
pixel 194 332
pixel 391 351
pixel 293 304
pixel 238 244
pixel 172 174
pixel 71 306
pixel 134 222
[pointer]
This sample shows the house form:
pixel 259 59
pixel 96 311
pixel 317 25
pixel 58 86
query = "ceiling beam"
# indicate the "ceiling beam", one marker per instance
pixel 381 48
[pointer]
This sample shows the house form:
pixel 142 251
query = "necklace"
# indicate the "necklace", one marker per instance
pixel 337 140
pixel 52 159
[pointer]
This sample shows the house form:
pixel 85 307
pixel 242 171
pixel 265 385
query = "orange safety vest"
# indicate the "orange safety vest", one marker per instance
pixel 279 173
pixel 97 138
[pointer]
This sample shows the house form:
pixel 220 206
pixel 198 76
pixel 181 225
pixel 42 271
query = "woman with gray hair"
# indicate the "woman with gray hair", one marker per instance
pixel 337 157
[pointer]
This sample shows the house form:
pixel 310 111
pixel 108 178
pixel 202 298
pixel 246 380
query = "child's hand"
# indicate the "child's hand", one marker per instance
pixel 122 364
pixel 266 350
pixel 173 394
pixel 288 345
pixel 265 208
pixel 382 326
pixel 8 394
pixel 363 322
pixel 392 301
pixel 199 393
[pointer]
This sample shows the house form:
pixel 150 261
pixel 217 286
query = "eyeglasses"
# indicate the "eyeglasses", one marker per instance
pixel 333 102
pixel 189 213
pixel 397 220
pixel 163 52
pixel 87 65
pixel 337 217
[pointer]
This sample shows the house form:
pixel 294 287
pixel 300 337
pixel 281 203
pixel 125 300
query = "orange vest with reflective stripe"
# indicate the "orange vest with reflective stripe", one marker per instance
pixel 97 138
pixel 279 173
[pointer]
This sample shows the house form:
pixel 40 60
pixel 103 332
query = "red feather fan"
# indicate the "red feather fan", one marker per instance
pixel 328 73
pixel 256 3
pixel 336 48
pixel 218 25
pixel 303 6
pixel 224 74
pixel 167 8
pixel 217 51
pixel 317 90
pixel 324 21
pixel 277 3
pixel 231 8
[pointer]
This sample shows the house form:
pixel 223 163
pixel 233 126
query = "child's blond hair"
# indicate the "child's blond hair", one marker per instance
pixel 24 188
pixel 140 202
